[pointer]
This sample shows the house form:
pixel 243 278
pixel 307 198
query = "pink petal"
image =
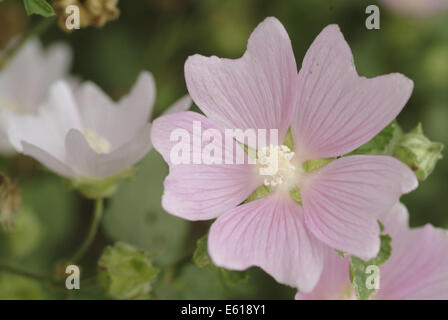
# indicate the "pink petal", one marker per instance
pixel 343 200
pixel 396 220
pixel 333 282
pixel 338 111
pixel 418 266
pixel 268 233
pixel 200 191
pixel 257 91
pixel 417 8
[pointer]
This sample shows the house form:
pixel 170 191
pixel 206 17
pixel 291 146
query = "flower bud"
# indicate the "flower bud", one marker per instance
pixel 418 152
pixel 91 12
pixel 125 272
pixel 10 201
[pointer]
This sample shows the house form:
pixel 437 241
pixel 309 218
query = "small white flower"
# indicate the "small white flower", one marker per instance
pixel 82 134
pixel 26 79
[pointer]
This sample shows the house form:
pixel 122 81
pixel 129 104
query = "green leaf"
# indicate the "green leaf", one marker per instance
pixel 260 193
pixel 200 256
pixel 418 152
pixel 202 283
pixel 126 273
pixel 251 152
pixel 358 268
pixel 340 253
pixel 384 142
pixel 288 140
pixel 312 165
pixel 233 278
pixel 296 195
pixel 381 226
pixel 45 229
pixel 203 260
pixel 15 287
pixel 26 234
pixel 135 215
pixel 39 7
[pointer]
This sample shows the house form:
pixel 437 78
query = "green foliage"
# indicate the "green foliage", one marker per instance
pixel 101 188
pixel 413 148
pixel 251 152
pixel 233 278
pixel 14 287
pixel 358 275
pixel 200 256
pixel 126 273
pixel 203 260
pixel 418 152
pixel 296 195
pixel 313 165
pixel 384 142
pixel 288 140
pixel 135 215
pixel 39 7
pixel 45 227
pixel 10 201
pixel 340 253
pixel 26 234
pixel 261 192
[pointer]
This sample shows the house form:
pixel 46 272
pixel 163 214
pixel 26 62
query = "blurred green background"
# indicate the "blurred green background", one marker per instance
pixel 158 35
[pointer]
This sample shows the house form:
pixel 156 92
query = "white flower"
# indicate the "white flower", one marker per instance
pixel 83 135
pixel 26 79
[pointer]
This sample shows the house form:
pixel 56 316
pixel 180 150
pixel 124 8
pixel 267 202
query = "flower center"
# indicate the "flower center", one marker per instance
pixel 275 165
pixel 96 142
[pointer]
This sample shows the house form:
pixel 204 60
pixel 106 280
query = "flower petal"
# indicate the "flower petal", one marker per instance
pixel 47 160
pixel 257 91
pixel 103 116
pixel 334 281
pixel 343 200
pixel 57 64
pixel 396 220
pixel 338 111
pixel 35 69
pixel 418 266
pixel 183 104
pixel 268 233
pixel 90 164
pixel 135 109
pixel 46 130
pixel 200 191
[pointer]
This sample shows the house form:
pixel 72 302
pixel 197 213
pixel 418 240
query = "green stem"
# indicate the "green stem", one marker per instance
pixel 97 215
pixel 35 31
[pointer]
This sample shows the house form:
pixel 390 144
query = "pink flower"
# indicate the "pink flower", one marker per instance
pixel 416 270
pixel 417 8
pixel 331 111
